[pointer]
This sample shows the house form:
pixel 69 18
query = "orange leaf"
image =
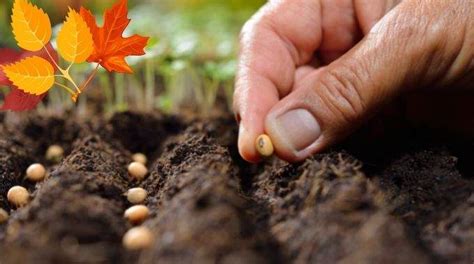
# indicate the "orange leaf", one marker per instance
pixel 75 42
pixel 31 26
pixel 110 47
pixel 18 100
pixel 33 75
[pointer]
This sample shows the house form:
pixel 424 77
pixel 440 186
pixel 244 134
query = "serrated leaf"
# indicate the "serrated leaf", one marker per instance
pixel 110 47
pixel 7 55
pixel 17 100
pixel 75 42
pixel 31 26
pixel 33 75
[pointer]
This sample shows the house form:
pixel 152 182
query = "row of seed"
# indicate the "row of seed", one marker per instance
pixel 19 195
pixel 138 237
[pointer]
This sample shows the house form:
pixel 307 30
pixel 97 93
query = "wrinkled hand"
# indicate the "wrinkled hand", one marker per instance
pixel 313 71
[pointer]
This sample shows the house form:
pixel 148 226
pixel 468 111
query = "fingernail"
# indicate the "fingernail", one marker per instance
pixel 298 128
pixel 238 118
pixel 246 145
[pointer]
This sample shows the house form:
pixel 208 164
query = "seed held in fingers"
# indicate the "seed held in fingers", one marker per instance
pixel 140 157
pixel 36 172
pixel 137 170
pixel 3 216
pixel 54 153
pixel 264 146
pixel 136 195
pixel 18 196
pixel 138 238
pixel 137 214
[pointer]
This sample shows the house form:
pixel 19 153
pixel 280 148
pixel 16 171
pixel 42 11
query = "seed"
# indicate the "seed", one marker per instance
pixel 137 214
pixel 264 146
pixel 137 170
pixel 36 172
pixel 3 216
pixel 136 195
pixel 54 153
pixel 138 238
pixel 140 157
pixel 18 196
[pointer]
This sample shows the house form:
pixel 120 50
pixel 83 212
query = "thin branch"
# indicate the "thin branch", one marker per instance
pixel 68 77
pixel 52 59
pixel 69 90
pixel 89 79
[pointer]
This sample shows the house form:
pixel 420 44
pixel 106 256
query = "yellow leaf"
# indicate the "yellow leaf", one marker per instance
pixel 31 26
pixel 33 75
pixel 75 42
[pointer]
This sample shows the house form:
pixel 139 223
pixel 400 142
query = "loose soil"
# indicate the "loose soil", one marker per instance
pixel 399 198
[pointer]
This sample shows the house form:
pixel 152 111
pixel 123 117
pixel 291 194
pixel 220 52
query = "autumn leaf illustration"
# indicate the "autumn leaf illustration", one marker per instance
pixel 110 47
pixel 7 56
pixel 18 100
pixel 33 75
pixel 79 40
pixel 31 26
pixel 75 42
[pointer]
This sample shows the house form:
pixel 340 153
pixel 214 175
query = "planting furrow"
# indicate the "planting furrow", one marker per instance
pixel 326 210
pixel 14 159
pixel 426 189
pixel 44 131
pixel 201 214
pixel 139 132
pixel 77 213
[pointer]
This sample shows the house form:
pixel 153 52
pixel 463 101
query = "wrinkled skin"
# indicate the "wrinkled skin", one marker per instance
pixel 343 61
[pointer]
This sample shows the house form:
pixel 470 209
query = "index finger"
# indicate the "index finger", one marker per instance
pixel 280 37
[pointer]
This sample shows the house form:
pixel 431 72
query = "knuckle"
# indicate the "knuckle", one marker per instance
pixel 420 31
pixel 244 32
pixel 340 90
pixel 254 24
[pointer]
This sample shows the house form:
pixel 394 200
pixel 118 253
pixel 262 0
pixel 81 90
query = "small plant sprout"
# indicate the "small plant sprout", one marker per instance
pixel 36 172
pixel 136 195
pixel 54 153
pixel 137 214
pixel 140 157
pixel 264 146
pixel 137 170
pixel 138 238
pixel 18 196
pixel 3 216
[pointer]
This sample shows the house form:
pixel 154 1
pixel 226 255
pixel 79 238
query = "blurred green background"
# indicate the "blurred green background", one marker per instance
pixel 190 59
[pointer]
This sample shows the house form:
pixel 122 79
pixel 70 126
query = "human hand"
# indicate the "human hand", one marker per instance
pixel 312 71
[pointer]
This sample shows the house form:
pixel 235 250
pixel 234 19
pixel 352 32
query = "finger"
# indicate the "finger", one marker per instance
pixel 408 49
pixel 369 13
pixel 344 23
pixel 340 28
pixel 271 49
pixel 303 76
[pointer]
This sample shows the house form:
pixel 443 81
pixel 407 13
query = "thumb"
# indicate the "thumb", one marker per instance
pixel 407 49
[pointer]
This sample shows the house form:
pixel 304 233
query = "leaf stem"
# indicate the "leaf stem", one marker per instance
pixel 69 90
pixel 89 79
pixel 52 59
pixel 68 77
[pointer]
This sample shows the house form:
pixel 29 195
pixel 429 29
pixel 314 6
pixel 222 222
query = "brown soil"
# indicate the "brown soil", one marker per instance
pixel 399 199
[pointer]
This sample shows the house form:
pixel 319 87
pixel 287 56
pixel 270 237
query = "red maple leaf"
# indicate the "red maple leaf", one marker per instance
pixel 110 47
pixel 17 100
